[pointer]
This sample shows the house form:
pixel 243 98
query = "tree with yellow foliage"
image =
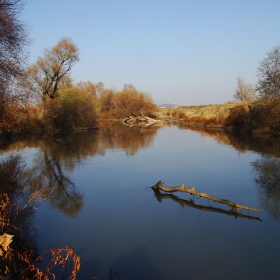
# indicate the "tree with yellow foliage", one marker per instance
pixel 48 72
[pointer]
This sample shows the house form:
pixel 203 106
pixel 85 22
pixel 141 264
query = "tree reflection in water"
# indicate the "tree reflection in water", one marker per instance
pixel 55 156
pixel 15 179
pixel 60 153
pixel 242 142
pixel 130 139
pixel 267 178
pixel 65 195
pixel 18 250
pixel 266 169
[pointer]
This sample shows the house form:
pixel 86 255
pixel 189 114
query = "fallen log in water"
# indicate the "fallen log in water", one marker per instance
pixel 131 120
pixel 190 203
pixel 233 206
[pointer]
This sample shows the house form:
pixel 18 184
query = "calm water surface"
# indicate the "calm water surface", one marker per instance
pixel 105 209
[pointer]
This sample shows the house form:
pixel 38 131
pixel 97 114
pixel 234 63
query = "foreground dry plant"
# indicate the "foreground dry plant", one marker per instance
pixel 20 192
pixel 20 263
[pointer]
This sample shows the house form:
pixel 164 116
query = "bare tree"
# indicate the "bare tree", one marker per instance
pixel 244 92
pixel 49 71
pixel 13 43
pixel 268 74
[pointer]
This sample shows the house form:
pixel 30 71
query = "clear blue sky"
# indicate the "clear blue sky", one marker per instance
pixel 183 52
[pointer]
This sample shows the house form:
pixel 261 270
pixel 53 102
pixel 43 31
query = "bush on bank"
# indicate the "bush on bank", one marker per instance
pixel 131 102
pixel 261 116
pixel 72 108
pixel 76 108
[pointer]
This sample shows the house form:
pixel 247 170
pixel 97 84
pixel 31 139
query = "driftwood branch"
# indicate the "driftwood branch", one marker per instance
pixel 131 120
pixel 192 190
pixel 184 202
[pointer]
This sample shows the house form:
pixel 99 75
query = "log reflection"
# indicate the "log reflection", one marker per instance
pixel 190 203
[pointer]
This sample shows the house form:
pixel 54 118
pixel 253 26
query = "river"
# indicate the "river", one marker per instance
pixel 102 204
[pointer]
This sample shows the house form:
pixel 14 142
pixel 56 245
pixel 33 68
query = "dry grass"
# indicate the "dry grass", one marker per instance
pixel 218 111
pixel 261 116
pixel 207 115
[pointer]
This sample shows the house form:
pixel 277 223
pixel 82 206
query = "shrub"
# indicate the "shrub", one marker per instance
pixel 265 116
pixel 18 118
pixel 237 117
pixel 12 117
pixel 129 101
pixel 181 115
pixel 105 116
pixel 72 108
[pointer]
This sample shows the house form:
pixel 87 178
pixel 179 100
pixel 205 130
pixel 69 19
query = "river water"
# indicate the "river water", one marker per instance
pixel 103 206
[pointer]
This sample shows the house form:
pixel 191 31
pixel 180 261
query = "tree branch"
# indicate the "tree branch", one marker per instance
pixel 160 196
pixel 192 190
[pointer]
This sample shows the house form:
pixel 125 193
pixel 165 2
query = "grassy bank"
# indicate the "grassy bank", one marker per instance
pixel 261 116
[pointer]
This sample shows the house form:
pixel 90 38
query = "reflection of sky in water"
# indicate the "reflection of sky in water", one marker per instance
pixel 122 224
pixel 28 154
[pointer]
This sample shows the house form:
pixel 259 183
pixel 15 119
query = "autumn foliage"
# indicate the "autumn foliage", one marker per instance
pixel 237 116
pixel 72 108
pixel 129 101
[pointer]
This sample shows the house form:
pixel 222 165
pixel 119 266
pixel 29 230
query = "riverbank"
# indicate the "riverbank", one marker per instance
pixel 258 117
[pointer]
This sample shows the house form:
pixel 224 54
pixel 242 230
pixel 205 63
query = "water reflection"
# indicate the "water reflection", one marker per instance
pixel 76 147
pixel 58 155
pixel 240 141
pixel 120 230
pixel 51 164
pixel 117 135
pixel 17 212
pixel 15 181
pixel 267 177
pixel 138 266
pixel 266 169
